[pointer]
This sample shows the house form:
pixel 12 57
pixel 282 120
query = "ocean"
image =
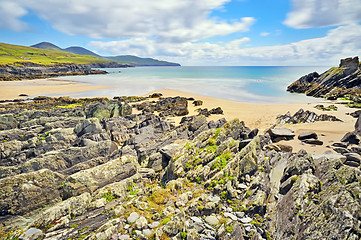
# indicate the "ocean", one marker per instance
pixel 246 84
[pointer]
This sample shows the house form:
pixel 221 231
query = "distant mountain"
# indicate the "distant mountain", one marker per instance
pixel 81 51
pixel 123 59
pixel 47 46
pixel 137 61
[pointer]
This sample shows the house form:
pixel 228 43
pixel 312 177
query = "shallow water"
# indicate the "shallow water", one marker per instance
pixel 246 84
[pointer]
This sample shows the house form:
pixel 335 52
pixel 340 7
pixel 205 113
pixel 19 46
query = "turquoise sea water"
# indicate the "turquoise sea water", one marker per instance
pixel 248 84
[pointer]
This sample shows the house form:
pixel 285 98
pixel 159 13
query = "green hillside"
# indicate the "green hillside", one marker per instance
pixel 14 53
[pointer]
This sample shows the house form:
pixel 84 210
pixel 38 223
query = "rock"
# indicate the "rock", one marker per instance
pixel 246 220
pixel 147 232
pixel 302 116
pixel 32 234
pixel 198 103
pixel 217 110
pixel 176 225
pixel 280 133
pixel 183 199
pixel 313 141
pixel 197 220
pixel 307 135
pixel 212 220
pixel 133 217
pixel 341 145
pixel 230 216
pixel 351 138
pixel 167 211
pixel 352 159
pixel 154 224
pixel 155 95
pixel 88 126
pixel 25 192
pixel 124 237
pixel 238 232
pixel 334 83
pixel 99 176
pixel 7 121
pixel 285 148
pixel 140 223
pixel 244 143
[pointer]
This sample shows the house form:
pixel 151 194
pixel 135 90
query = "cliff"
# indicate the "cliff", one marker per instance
pixel 332 84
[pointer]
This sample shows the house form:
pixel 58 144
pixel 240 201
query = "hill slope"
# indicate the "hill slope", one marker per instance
pixel 122 59
pixel 137 61
pixel 81 51
pixel 20 54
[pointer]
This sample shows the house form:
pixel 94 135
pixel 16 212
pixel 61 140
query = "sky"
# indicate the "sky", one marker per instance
pixel 193 32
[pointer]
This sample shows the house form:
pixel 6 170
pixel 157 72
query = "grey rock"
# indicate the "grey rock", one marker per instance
pixel 230 216
pixel 134 216
pixel 147 232
pixel 32 234
pixel 279 133
pixel 88 126
pixel 212 220
pixel 313 141
pixel 246 220
pixel 141 223
pixel 352 159
pixel 197 220
pixel 154 224
pixel 307 135
pixel 123 237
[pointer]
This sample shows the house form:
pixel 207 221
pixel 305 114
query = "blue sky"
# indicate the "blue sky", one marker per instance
pixel 202 32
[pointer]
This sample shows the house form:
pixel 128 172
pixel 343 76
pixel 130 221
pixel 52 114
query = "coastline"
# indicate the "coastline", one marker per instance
pixel 11 89
pixel 254 115
pixel 263 116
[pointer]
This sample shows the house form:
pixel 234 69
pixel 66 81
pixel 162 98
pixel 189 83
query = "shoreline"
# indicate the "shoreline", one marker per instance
pixel 254 115
pixel 10 90
pixel 263 116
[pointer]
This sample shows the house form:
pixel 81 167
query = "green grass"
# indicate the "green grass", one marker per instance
pixel 20 54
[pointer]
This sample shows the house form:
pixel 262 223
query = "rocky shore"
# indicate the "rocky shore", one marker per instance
pixel 19 71
pixel 122 169
pixel 343 81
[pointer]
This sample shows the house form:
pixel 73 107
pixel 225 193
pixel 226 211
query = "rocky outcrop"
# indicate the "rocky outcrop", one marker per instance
pixel 81 170
pixel 332 84
pixel 302 116
pixel 33 71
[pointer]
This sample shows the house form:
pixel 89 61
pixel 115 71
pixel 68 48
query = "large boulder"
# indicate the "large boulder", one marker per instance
pixel 91 179
pixel 25 192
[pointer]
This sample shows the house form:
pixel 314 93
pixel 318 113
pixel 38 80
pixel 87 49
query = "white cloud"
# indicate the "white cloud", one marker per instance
pixel 322 13
pixel 167 20
pixel 10 14
pixel 264 34
pixel 339 43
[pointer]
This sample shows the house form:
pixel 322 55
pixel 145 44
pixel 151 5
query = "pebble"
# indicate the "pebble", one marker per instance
pixel 215 199
pixel 197 220
pixel 133 217
pixel 212 220
pixel 240 214
pixel 153 224
pixel 229 209
pixel 231 216
pixel 246 220
pixel 123 237
pixel 147 232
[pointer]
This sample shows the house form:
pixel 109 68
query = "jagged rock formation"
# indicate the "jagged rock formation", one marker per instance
pixel 90 169
pixel 302 116
pixel 332 84
pixel 20 71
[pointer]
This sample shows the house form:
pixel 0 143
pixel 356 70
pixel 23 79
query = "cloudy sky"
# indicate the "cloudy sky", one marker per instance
pixel 193 32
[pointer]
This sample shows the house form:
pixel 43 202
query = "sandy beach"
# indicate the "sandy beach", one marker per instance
pixel 263 116
pixel 12 89
pixel 254 115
